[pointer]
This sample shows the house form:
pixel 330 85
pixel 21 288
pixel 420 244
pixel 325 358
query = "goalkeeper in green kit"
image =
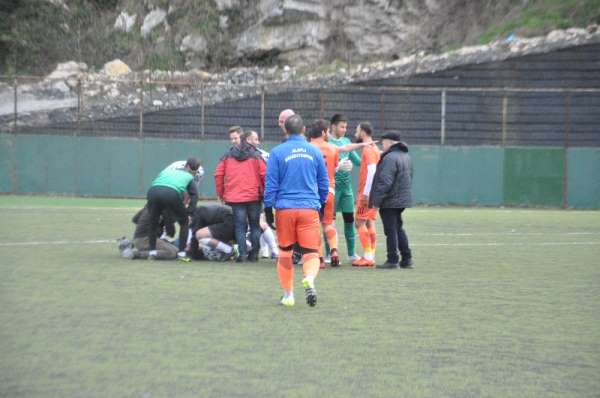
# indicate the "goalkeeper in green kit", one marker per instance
pixel 344 197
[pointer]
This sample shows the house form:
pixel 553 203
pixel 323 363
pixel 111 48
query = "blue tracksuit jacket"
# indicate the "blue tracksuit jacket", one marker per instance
pixel 296 176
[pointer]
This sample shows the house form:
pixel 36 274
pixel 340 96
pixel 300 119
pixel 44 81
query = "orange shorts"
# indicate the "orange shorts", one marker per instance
pixel 365 213
pixel 300 226
pixel 329 209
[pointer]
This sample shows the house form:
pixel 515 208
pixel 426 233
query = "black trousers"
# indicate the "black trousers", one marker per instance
pixel 396 239
pixel 160 199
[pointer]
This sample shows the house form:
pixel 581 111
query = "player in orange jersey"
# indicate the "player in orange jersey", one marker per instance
pixel 318 136
pixel 365 216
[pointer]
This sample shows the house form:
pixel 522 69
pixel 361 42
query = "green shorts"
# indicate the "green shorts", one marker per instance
pixel 344 200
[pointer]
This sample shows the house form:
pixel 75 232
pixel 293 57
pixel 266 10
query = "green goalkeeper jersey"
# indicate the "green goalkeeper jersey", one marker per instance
pixel 343 179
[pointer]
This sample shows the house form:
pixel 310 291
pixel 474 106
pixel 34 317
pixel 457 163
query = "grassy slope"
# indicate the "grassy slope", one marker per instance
pixel 541 16
pixel 514 320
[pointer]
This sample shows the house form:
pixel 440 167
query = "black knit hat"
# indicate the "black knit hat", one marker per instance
pixel 392 135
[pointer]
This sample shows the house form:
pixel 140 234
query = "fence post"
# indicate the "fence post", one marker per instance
pixel 141 130
pixel 382 112
pixel 321 105
pixel 262 112
pixel 202 131
pixel 565 202
pixel 504 117
pixel 16 114
pixel 78 106
pixel 443 117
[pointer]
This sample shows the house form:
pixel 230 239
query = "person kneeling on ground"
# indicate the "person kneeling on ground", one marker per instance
pixel 140 247
pixel 212 233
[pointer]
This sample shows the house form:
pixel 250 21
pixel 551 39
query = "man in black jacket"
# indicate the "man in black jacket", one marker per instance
pixel 391 194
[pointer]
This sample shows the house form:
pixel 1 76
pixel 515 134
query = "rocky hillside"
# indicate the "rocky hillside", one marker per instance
pixel 36 35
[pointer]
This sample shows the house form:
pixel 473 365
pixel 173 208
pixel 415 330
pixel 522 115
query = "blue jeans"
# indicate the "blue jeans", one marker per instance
pixel 245 214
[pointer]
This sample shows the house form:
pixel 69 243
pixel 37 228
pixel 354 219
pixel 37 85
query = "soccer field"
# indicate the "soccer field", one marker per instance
pixel 502 303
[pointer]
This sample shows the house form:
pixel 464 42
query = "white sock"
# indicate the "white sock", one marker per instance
pixel 204 241
pixel 152 253
pixel 369 256
pixel 288 294
pixel 224 247
pixel 189 238
pixel 269 238
pixel 181 254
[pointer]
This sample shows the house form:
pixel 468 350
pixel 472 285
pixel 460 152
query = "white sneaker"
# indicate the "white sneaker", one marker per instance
pixel 327 260
pixel 264 252
pixel 352 259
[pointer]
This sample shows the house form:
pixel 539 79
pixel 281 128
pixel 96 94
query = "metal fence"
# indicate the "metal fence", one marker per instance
pixel 514 116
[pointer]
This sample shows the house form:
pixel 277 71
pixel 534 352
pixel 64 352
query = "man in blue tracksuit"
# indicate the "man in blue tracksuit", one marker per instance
pixel 296 186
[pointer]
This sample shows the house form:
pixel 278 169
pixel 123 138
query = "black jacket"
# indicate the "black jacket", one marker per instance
pixel 210 215
pixel 393 179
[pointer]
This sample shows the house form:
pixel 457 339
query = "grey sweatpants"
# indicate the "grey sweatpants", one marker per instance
pixel 164 250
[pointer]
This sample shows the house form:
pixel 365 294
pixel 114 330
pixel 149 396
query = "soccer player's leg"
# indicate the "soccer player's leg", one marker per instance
pixel 344 202
pixel 329 229
pixel 362 217
pixel 309 239
pixel 286 236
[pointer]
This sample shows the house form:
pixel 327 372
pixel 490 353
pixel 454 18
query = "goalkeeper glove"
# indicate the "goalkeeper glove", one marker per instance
pixel 270 218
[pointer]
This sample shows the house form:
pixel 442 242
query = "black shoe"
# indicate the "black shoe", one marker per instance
pixel 296 257
pixel 387 265
pixel 407 263
pixel 240 259
pixel 335 258
pixel 253 258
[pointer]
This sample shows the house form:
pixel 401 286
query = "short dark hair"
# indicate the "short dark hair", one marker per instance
pixel 236 129
pixel 337 118
pixel 317 128
pixel 294 124
pixel 246 134
pixel 366 127
pixel 192 163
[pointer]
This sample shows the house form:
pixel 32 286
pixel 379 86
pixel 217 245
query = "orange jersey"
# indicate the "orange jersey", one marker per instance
pixel 370 155
pixel 331 155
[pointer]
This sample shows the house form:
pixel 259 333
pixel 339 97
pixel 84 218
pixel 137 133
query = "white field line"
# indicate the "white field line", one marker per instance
pixel 448 244
pixel 8 208
pixel 493 244
pixel 57 242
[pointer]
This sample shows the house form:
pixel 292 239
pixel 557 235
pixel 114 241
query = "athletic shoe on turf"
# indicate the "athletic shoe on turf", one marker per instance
pixel 353 258
pixel 334 259
pixel 264 252
pixel 183 257
pixel 363 262
pixel 387 265
pixel 129 253
pixel 310 292
pixel 407 263
pixel 124 243
pixel 287 301
pixel 327 260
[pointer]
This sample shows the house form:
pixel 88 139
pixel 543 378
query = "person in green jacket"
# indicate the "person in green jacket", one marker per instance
pixel 166 193
pixel 344 196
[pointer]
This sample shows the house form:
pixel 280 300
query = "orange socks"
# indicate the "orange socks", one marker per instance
pixel 285 270
pixel 373 236
pixel 311 265
pixel 331 236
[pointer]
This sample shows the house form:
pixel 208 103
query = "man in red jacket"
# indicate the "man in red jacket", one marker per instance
pixel 240 183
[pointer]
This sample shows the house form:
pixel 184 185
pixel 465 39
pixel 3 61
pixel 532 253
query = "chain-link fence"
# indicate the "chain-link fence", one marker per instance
pixel 195 109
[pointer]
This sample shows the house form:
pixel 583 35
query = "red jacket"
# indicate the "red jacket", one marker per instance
pixel 240 175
